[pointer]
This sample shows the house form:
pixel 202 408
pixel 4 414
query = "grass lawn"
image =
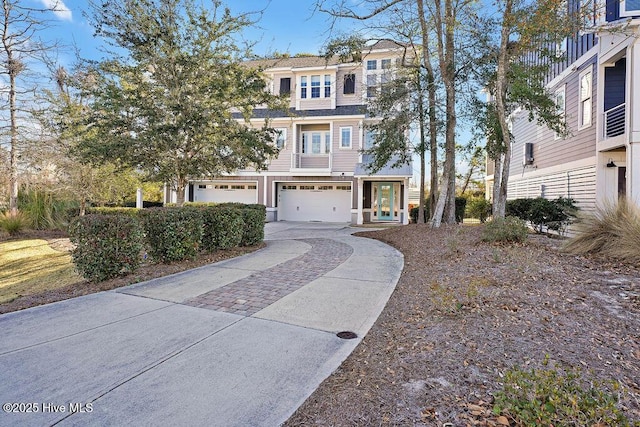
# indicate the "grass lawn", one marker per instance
pixel 31 266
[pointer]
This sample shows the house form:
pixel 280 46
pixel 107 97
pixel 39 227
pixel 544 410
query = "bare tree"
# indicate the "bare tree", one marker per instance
pixel 19 29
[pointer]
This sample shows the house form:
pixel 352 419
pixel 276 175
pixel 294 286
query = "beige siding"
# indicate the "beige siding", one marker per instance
pixel 549 151
pixel 315 103
pixel 344 159
pixel 356 98
pixel 276 85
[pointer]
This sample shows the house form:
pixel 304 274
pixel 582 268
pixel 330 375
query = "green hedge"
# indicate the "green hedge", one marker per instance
pixel 172 234
pixel 254 216
pixel 554 214
pixel 106 245
pixel 223 227
pixel 112 211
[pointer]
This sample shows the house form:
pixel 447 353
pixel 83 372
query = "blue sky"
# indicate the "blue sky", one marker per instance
pixel 283 26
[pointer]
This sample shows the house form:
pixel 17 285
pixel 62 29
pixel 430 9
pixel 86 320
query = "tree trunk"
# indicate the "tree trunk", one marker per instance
pixel 431 91
pixel 436 219
pixel 422 149
pixel 501 179
pixel 181 185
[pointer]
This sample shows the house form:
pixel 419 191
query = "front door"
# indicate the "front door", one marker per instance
pixel 385 201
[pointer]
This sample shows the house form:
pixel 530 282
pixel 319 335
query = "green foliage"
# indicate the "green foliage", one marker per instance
pixel 553 397
pixel 223 227
pixel 413 213
pixel 254 217
pixel 478 207
pixel 173 91
pixel 106 245
pixel 505 230
pixel 14 224
pixel 461 206
pixel 44 210
pixel 172 234
pixel 612 231
pixel 553 214
pixel 113 211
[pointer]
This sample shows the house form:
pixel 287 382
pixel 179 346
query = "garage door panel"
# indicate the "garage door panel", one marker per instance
pixel 226 192
pixel 314 202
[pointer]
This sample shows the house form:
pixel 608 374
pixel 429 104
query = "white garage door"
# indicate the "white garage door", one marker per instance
pixel 222 192
pixel 314 202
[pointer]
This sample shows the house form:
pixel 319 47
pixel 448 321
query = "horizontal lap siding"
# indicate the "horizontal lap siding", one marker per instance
pixel 578 184
pixel 354 99
pixel 548 151
pixel 344 160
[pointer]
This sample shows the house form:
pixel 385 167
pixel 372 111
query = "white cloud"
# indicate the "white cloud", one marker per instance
pixel 58 8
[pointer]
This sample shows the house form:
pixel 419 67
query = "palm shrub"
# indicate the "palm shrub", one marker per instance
pixel 44 209
pixel 106 245
pixel 612 230
pixel 478 207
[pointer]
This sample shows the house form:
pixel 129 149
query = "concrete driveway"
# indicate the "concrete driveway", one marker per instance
pixel 242 342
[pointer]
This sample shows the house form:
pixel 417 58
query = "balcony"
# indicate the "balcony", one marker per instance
pixel 311 163
pixel 614 121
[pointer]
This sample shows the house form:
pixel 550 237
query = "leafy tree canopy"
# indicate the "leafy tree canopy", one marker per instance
pixel 174 98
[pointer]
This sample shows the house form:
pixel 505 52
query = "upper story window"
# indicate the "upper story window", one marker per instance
pixel 372 64
pixel 303 87
pixel 345 137
pixel 369 139
pixel 316 142
pixel 385 64
pixel 560 101
pixel 629 7
pixel 586 94
pixel 320 86
pixel 281 138
pixel 285 86
pixel 349 84
pixel 372 85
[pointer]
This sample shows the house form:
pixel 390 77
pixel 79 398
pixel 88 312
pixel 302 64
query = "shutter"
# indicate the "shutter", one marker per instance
pixel 285 86
pixel 349 84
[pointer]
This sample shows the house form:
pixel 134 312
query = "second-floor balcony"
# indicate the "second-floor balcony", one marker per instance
pixel 614 121
pixel 301 162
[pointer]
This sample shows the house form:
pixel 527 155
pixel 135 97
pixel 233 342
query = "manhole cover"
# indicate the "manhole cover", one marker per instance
pixel 347 335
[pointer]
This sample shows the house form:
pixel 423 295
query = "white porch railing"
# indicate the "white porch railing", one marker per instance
pixel 614 119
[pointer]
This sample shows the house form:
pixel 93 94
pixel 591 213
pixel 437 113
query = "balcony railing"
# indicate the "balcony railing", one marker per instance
pixel 311 161
pixel 614 121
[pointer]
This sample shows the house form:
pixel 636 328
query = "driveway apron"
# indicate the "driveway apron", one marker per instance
pixel 242 342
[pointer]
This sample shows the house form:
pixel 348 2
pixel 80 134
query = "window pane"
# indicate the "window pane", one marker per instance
pixel 586 113
pixel 281 138
pixel 345 137
pixel 349 84
pixel 303 87
pixel 315 143
pixel 327 142
pixel 585 86
pixel 632 5
pixel 327 86
pixel 315 86
pixel 385 64
pixel 371 64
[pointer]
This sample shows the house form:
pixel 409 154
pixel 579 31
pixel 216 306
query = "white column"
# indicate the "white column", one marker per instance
pixel 360 216
pixel 405 202
pixel 139 198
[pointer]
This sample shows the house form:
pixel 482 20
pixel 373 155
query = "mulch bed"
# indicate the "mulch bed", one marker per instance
pixel 463 313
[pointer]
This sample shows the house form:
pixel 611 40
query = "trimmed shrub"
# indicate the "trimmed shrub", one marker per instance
pixel 172 234
pixel 479 208
pixel 552 397
pixel 103 210
pixel 106 245
pixel 14 224
pixel 553 214
pixel 223 228
pixel 254 217
pixel 518 208
pixel 505 230
pixel 461 205
pixel 413 213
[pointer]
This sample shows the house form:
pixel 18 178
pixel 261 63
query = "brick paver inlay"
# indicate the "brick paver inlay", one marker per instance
pixel 251 294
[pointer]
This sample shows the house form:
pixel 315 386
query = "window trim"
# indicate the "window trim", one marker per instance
pixel 624 12
pixel 342 129
pixel 303 87
pixel 324 147
pixel 581 101
pixel 563 109
pixel 372 64
pixel 315 86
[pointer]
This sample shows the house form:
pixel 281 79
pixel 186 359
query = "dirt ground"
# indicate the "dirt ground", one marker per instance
pixel 463 313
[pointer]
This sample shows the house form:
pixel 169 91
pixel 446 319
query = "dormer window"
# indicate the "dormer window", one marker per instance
pixel 372 64
pixel 320 86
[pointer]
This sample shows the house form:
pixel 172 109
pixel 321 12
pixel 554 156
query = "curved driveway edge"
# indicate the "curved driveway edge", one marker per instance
pixel 236 343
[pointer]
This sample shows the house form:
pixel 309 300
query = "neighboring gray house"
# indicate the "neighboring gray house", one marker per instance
pixel 598 88
pixel 319 174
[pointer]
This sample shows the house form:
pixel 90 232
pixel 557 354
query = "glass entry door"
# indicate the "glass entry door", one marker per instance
pixel 385 201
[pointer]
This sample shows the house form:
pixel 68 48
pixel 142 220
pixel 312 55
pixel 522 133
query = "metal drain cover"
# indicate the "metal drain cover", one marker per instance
pixel 347 335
